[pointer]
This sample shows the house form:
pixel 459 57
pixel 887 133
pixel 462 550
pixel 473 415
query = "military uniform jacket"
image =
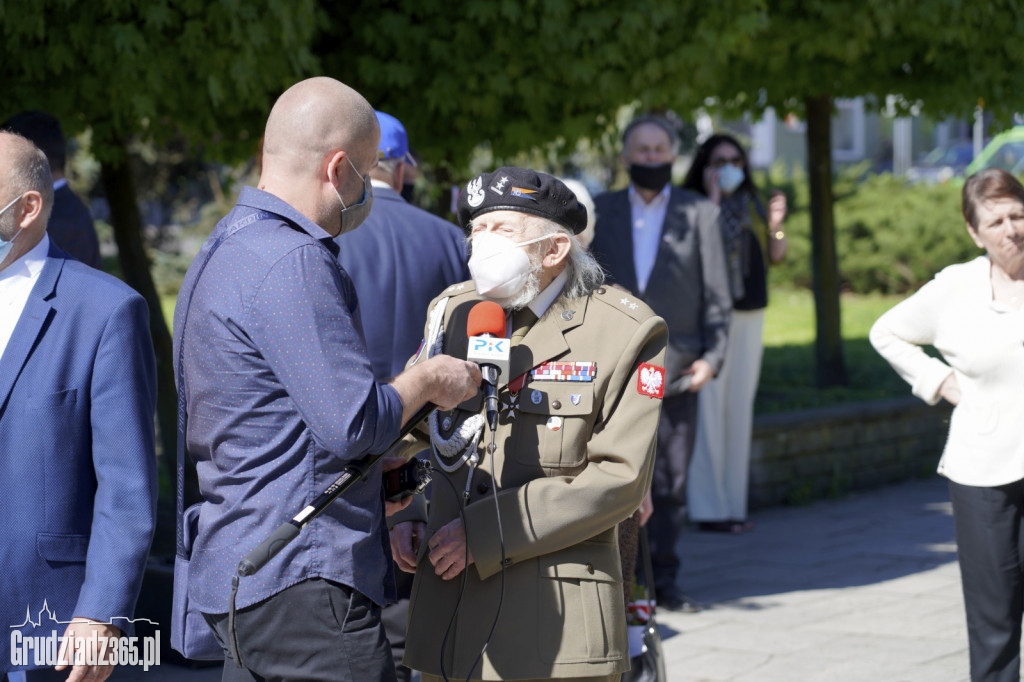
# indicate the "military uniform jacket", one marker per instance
pixel 575 461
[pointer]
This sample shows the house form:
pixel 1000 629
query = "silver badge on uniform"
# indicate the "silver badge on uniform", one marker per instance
pixel 536 397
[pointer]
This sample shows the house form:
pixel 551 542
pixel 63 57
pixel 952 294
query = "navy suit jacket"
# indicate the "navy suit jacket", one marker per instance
pixel 399 259
pixel 71 227
pixel 689 284
pixel 77 458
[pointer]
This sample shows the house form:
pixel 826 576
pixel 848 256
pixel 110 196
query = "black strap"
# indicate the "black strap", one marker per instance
pixel 645 559
pixel 182 413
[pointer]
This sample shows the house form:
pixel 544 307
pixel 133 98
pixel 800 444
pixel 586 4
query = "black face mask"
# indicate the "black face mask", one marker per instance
pixel 650 177
pixel 407 191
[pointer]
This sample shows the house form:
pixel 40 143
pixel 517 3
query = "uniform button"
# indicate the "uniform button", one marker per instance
pixel 557 404
pixel 600 290
pixel 482 488
pixel 590 569
pixel 507 561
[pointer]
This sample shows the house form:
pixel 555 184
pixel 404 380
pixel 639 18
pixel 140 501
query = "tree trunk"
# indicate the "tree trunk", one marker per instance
pixel 830 369
pixel 119 186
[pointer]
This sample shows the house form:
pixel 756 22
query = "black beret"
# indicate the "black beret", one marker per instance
pixel 524 190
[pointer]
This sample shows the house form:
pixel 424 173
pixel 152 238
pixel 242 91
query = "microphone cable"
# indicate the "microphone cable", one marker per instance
pixel 491 449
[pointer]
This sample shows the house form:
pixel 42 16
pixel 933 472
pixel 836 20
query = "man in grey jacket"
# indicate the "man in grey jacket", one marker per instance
pixel 662 244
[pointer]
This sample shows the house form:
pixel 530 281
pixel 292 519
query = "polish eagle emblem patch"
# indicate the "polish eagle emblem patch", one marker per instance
pixel 475 191
pixel 651 381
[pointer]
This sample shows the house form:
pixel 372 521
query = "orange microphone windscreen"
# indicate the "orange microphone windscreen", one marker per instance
pixel 486 317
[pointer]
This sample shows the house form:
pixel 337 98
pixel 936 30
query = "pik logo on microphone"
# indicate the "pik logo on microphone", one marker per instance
pixel 489 345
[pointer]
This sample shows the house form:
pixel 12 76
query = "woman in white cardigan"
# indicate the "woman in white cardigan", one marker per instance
pixel 973 314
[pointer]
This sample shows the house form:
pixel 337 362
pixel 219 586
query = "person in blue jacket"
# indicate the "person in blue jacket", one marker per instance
pixel 77 453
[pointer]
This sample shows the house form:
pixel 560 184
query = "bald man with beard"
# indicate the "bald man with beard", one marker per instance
pixel 280 396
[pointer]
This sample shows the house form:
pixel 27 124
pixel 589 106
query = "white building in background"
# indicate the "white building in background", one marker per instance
pixel 859 133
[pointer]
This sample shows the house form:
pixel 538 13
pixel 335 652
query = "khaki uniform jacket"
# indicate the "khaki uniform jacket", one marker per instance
pixel 575 462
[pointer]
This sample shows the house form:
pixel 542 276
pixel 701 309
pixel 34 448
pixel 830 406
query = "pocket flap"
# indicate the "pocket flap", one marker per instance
pixel 585 561
pixel 50 400
pixel 62 546
pixel 568 398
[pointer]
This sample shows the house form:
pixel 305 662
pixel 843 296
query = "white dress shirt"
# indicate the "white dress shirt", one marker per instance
pixel 648 219
pixel 16 282
pixel 982 343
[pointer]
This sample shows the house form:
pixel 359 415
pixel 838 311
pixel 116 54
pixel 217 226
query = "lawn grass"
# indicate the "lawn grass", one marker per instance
pixel 787 373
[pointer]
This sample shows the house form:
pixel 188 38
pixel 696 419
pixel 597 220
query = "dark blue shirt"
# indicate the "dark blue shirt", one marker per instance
pixel 399 260
pixel 280 397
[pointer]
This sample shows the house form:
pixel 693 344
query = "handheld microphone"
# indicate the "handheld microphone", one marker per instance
pixel 489 348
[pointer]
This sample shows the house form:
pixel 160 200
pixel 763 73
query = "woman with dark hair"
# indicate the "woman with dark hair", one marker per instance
pixel 753 236
pixel 973 314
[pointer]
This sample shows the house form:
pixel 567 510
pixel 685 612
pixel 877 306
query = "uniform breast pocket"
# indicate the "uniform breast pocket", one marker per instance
pixel 557 418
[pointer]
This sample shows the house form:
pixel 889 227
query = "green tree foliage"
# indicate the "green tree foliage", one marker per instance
pixel 206 71
pixel 515 75
pixel 203 70
pixel 893 238
pixel 944 56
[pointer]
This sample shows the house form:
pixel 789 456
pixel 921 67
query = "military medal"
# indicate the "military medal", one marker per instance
pixel 510 402
pixel 510 406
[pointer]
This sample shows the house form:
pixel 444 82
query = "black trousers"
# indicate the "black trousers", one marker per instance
pixel 395 618
pixel 990 547
pixel 677 431
pixel 313 631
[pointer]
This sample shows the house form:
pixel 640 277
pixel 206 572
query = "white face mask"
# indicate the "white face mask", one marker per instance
pixel 729 178
pixel 498 266
pixel 5 246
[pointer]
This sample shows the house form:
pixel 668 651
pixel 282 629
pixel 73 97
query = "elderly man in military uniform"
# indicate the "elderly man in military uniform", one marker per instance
pixel 517 566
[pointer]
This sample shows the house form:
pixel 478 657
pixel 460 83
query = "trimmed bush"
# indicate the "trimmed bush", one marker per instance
pixel 890 237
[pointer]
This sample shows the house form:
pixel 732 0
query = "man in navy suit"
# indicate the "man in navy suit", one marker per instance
pixel 77 458
pixel 70 225
pixel 662 243
pixel 399 260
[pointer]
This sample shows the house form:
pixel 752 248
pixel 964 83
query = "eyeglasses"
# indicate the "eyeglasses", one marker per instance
pixel 720 162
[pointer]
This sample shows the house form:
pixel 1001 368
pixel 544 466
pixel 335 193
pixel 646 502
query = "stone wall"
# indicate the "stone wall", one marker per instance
pixel 806 455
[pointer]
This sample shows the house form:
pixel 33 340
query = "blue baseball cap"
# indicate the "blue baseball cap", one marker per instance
pixel 394 144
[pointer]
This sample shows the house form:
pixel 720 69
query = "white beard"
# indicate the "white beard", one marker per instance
pixel 526 295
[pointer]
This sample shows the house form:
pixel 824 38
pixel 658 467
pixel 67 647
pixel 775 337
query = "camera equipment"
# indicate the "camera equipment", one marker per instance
pixel 409 479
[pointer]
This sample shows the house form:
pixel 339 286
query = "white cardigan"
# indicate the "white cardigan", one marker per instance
pixel 983 343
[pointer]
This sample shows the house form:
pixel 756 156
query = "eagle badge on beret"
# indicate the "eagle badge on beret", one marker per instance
pixel 475 191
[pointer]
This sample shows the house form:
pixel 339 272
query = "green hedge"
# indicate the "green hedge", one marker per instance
pixel 890 237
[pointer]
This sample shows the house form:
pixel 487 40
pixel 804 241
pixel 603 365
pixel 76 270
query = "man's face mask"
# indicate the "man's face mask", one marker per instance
pixel 499 266
pixel 354 215
pixel 650 177
pixel 5 246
